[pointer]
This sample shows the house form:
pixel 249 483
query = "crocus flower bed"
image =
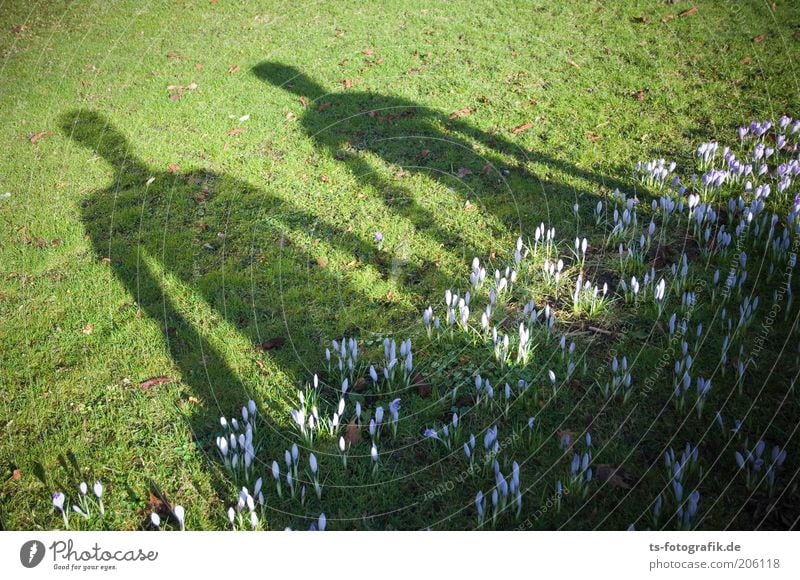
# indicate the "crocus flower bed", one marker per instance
pixel 619 369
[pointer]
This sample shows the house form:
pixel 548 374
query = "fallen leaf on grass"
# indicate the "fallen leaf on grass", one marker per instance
pixel 667 17
pixel 352 433
pixel 16 475
pixel 641 19
pixel 463 172
pixel 41 135
pixel 322 262
pixel 614 475
pixel 273 343
pixel 368 51
pixel 88 329
pixel 423 386
pixel 173 168
pixel 347 83
pixel 573 63
pixel 150 383
pixel 323 106
pixel 261 366
pixel 158 505
pixel 520 128
pixel 176 56
pixel 303 101
pixel 640 95
pixel 174 96
pixel 194 400
pixel 759 38
pixel 592 136
pixel 746 60
pixel 236 131
pixel 233 69
pixel 566 439
pixel 461 113
pixel 689 12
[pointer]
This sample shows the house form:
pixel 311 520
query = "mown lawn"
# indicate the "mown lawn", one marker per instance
pixel 194 190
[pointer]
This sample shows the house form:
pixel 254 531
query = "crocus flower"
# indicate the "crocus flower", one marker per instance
pixel 322 522
pixel 58 503
pixel 97 488
pixel 180 515
pixel 312 461
pixel 231 516
pixel 84 488
pixel 155 519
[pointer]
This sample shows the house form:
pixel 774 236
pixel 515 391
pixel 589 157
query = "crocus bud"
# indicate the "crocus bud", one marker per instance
pixel 155 519
pixel 98 489
pixel 84 488
pixel 180 515
pixel 58 500
pixel 312 461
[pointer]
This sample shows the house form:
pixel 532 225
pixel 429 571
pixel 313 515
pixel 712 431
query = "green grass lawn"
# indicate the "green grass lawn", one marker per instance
pixel 189 181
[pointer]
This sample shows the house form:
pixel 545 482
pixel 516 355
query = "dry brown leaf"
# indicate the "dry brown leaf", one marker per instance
pixel 461 113
pixel 640 95
pixel 323 106
pixel 759 38
pixel 322 262
pixel 642 19
pixel 368 51
pixel 573 63
pixel 423 386
pixel 89 329
pixel 463 172
pixel 689 12
pixel 592 136
pixel 347 83
pixel 468 206
pixel 566 438
pixel 352 434
pixel 40 136
pixel 520 128
pixel 236 131
pixel 262 366
pixel 233 69
pixel 191 86
pixel 303 101
pixel 174 96
pixel 273 343
pixel 746 60
pixel 424 153
pixel 156 504
pixel 150 383
pixel 176 56
pixel 173 168
pixel 667 17
pixel 16 475
pixel 194 400
pixel 614 475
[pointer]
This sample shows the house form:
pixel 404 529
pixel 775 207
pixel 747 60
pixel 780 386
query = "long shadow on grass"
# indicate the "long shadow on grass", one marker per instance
pixel 351 124
pixel 232 246
pixel 221 240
